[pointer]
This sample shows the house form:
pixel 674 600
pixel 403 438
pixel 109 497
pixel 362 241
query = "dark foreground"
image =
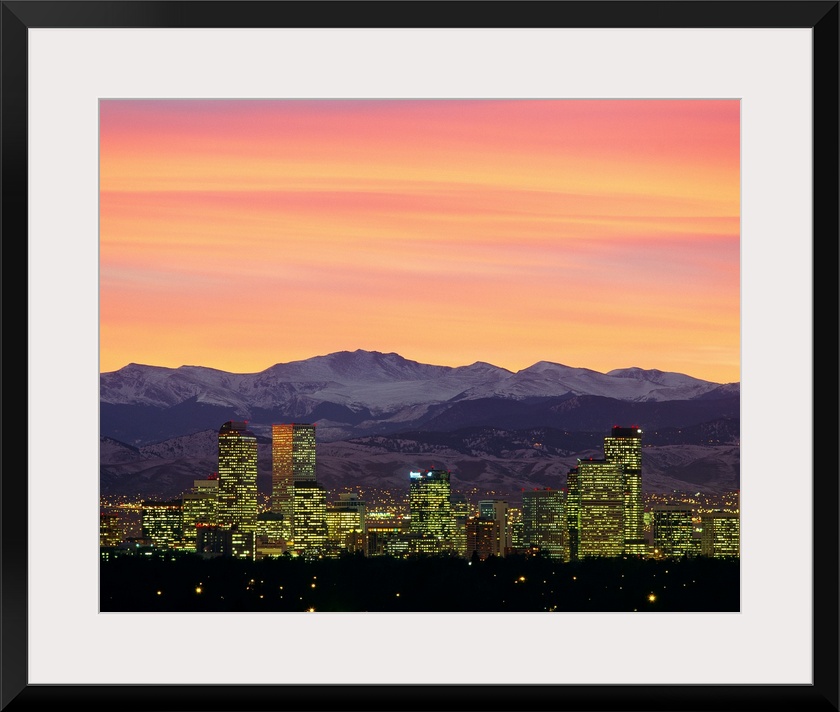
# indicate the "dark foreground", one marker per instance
pixel 186 582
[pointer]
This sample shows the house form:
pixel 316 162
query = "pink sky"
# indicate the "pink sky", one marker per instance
pixel 598 234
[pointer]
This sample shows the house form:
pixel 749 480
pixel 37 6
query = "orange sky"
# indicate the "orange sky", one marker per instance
pixel 598 234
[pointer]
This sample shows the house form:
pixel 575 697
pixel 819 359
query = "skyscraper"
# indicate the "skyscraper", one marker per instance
pixel 237 505
pixel 721 534
pixel 292 460
pixel 309 521
pixel 482 537
pixel 162 522
pixel 497 509
pixel 544 522
pixel 199 506
pixel 345 520
pixel 573 513
pixel 673 531
pixel 460 507
pixel 430 507
pixel 601 508
pixel 624 446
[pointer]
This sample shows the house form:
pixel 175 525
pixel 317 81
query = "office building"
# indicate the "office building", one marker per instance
pixel 237 503
pixel 600 485
pixel 497 510
pixel 430 507
pixel 482 537
pixel 292 460
pixel 344 521
pixel 272 535
pixel 110 528
pixel 162 522
pixel 199 505
pixel 309 518
pixel 461 511
pixel 720 534
pixel 573 514
pixel 544 522
pixel 624 446
pixel 673 531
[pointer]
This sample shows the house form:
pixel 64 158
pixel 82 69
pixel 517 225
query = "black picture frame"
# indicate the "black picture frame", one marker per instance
pixel 18 16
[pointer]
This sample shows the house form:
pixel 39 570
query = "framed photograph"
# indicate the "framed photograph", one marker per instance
pixel 743 99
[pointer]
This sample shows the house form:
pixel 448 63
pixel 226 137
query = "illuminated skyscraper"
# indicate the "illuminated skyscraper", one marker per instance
pixel 309 519
pixel 482 537
pixel 673 531
pixel 497 510
pixel 624 446
pixel 430 507
pixel 573 513
pixel 345 520
pixel 199 506
pixel 292 460
pixel 237 505
pixel 545 522
pixel 460 513
pixel 600 485
pixel 110 528
pixel 162 523
pixel 721 534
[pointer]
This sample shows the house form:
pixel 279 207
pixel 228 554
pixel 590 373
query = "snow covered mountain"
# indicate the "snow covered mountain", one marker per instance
pixel 378 412
pixel 382 383
pixel 349 394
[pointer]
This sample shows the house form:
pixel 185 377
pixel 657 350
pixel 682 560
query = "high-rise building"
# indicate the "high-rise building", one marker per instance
pixel 162 523
pixel 624 446
pixel 309 518
pixel 292 460
pixel 573 513
pixel 343 523
pixel 517 530
pixel 720 534
pixel 544 522
pixel 461 511
pixel 482 537
pixel 110 528
pixel 497 510
pixel 430 508
pixel 386 536
pixel 600 484
pixel 199 506
pixel 673 531
pixel 237 505
pixel 273 533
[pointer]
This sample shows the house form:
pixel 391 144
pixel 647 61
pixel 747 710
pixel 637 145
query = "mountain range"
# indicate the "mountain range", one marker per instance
pixel 382 414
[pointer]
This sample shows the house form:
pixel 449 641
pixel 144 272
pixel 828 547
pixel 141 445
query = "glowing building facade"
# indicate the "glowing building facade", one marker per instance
pixel 544 522
pixel 573 514
pixel 199 506
pixel 720 535
pixel 292 460
pixel 461 511
pixel 162 522
pixel 430 507
pixel 309 518
pixel 237 503
pixel 497 510
pixel 624 446
pixel 673 532
pixel 600 485
pixel 110 529
pixel 482 537
pixel 343 523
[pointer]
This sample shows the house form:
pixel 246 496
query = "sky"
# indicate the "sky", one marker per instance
pixel 600 234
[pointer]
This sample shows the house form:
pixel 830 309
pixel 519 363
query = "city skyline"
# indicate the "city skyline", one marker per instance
pixel 598 234
pixel 599 513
